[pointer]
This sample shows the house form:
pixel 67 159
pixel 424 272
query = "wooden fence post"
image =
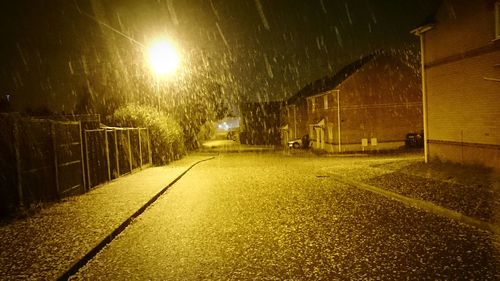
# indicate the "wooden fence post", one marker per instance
pixel 129 150
pixel 150 154
pixel 117 153
pixel 83 158
pixel 17 143
pixel 88 161
pixel 107 153
pixel 140 148
pixel 54 151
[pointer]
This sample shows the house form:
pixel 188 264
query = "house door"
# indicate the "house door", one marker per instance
pixel 284 137
pixel 320 138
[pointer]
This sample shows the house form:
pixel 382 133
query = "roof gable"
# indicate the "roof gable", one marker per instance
pixel 329 83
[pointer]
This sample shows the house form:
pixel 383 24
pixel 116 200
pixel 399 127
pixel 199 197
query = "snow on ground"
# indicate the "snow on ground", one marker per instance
pixel 45 245
pixel 471 190
pixel 272 217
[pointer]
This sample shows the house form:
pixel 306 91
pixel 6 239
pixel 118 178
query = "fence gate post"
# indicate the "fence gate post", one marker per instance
pixel 88 161
pixel 54 151
pixel 129 150
pixel 140 148
pixel 150 154
pixel 107 153
pixel 117 154
pixel 17 143
pixel 83 158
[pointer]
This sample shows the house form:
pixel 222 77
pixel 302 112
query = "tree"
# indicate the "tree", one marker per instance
pixel 167 141
pixel 86 102
pixel 203 102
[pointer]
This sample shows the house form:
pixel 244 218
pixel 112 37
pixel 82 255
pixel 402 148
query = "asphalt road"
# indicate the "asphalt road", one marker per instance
pixel 274 217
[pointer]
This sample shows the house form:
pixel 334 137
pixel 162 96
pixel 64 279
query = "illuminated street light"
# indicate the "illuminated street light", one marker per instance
pixel 163 58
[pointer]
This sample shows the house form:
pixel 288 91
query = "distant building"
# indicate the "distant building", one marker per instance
pixel 461 59
pixel 294 119
pixel 228 128
pixel 260 123
pixel 370 104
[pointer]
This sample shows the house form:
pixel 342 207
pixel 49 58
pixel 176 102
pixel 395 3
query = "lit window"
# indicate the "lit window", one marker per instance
pixel 325 101
pixel 497 20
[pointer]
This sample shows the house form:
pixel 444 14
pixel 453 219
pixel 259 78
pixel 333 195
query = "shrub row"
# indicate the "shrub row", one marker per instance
pixel 167 141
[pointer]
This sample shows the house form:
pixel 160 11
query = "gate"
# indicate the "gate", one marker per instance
pixel 68 158
pixel 42 161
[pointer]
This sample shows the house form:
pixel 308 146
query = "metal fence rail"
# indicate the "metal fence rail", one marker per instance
pixel 113 152
pixel 42 160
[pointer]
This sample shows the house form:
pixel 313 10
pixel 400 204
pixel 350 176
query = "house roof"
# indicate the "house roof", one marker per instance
pixel 328 83
pixel 427 24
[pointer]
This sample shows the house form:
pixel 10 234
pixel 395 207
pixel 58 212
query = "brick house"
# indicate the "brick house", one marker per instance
pixel 294 117
pixel 461 75
pixel 295 114
pixel 377 100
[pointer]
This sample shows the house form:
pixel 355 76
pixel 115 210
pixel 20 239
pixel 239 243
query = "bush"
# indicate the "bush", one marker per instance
pixel 167 141
pixel 207 132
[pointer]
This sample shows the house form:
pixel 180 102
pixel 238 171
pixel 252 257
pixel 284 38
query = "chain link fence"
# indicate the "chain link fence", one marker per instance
pixel 43 160
pixel 113 152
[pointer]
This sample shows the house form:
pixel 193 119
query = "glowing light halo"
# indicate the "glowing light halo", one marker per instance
pixel 163 58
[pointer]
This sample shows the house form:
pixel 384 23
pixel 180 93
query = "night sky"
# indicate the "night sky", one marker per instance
pixel 54 53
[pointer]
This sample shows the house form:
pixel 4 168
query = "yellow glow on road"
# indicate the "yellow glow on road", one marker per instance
pixel 163 58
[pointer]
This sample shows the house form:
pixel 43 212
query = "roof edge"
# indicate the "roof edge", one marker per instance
pixel 422 29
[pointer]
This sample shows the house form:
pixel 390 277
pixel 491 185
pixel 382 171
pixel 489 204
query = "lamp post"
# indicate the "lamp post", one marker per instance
pixel 420 31
pixel 163 60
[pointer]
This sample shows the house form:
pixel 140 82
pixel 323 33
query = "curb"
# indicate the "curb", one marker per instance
pixel 423 205
pixel 108 239
pixel 238 151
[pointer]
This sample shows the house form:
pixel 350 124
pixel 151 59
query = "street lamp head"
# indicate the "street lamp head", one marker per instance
pixel 163 58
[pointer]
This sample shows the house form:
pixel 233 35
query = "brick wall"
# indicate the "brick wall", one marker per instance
pixel 462 105
pixel 462 25
pixel 382 100
pixel 462 84
pixel 260 122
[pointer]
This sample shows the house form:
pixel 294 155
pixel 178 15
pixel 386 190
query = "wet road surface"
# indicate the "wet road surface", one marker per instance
pixel 275 217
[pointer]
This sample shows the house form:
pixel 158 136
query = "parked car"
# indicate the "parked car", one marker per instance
pixel 414 140
pixel 299 143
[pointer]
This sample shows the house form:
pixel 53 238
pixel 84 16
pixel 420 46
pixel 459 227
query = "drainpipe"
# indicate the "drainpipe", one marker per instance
pixel 424 97
pixel 420 31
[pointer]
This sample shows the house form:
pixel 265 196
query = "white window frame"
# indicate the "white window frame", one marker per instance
pixel 497 20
